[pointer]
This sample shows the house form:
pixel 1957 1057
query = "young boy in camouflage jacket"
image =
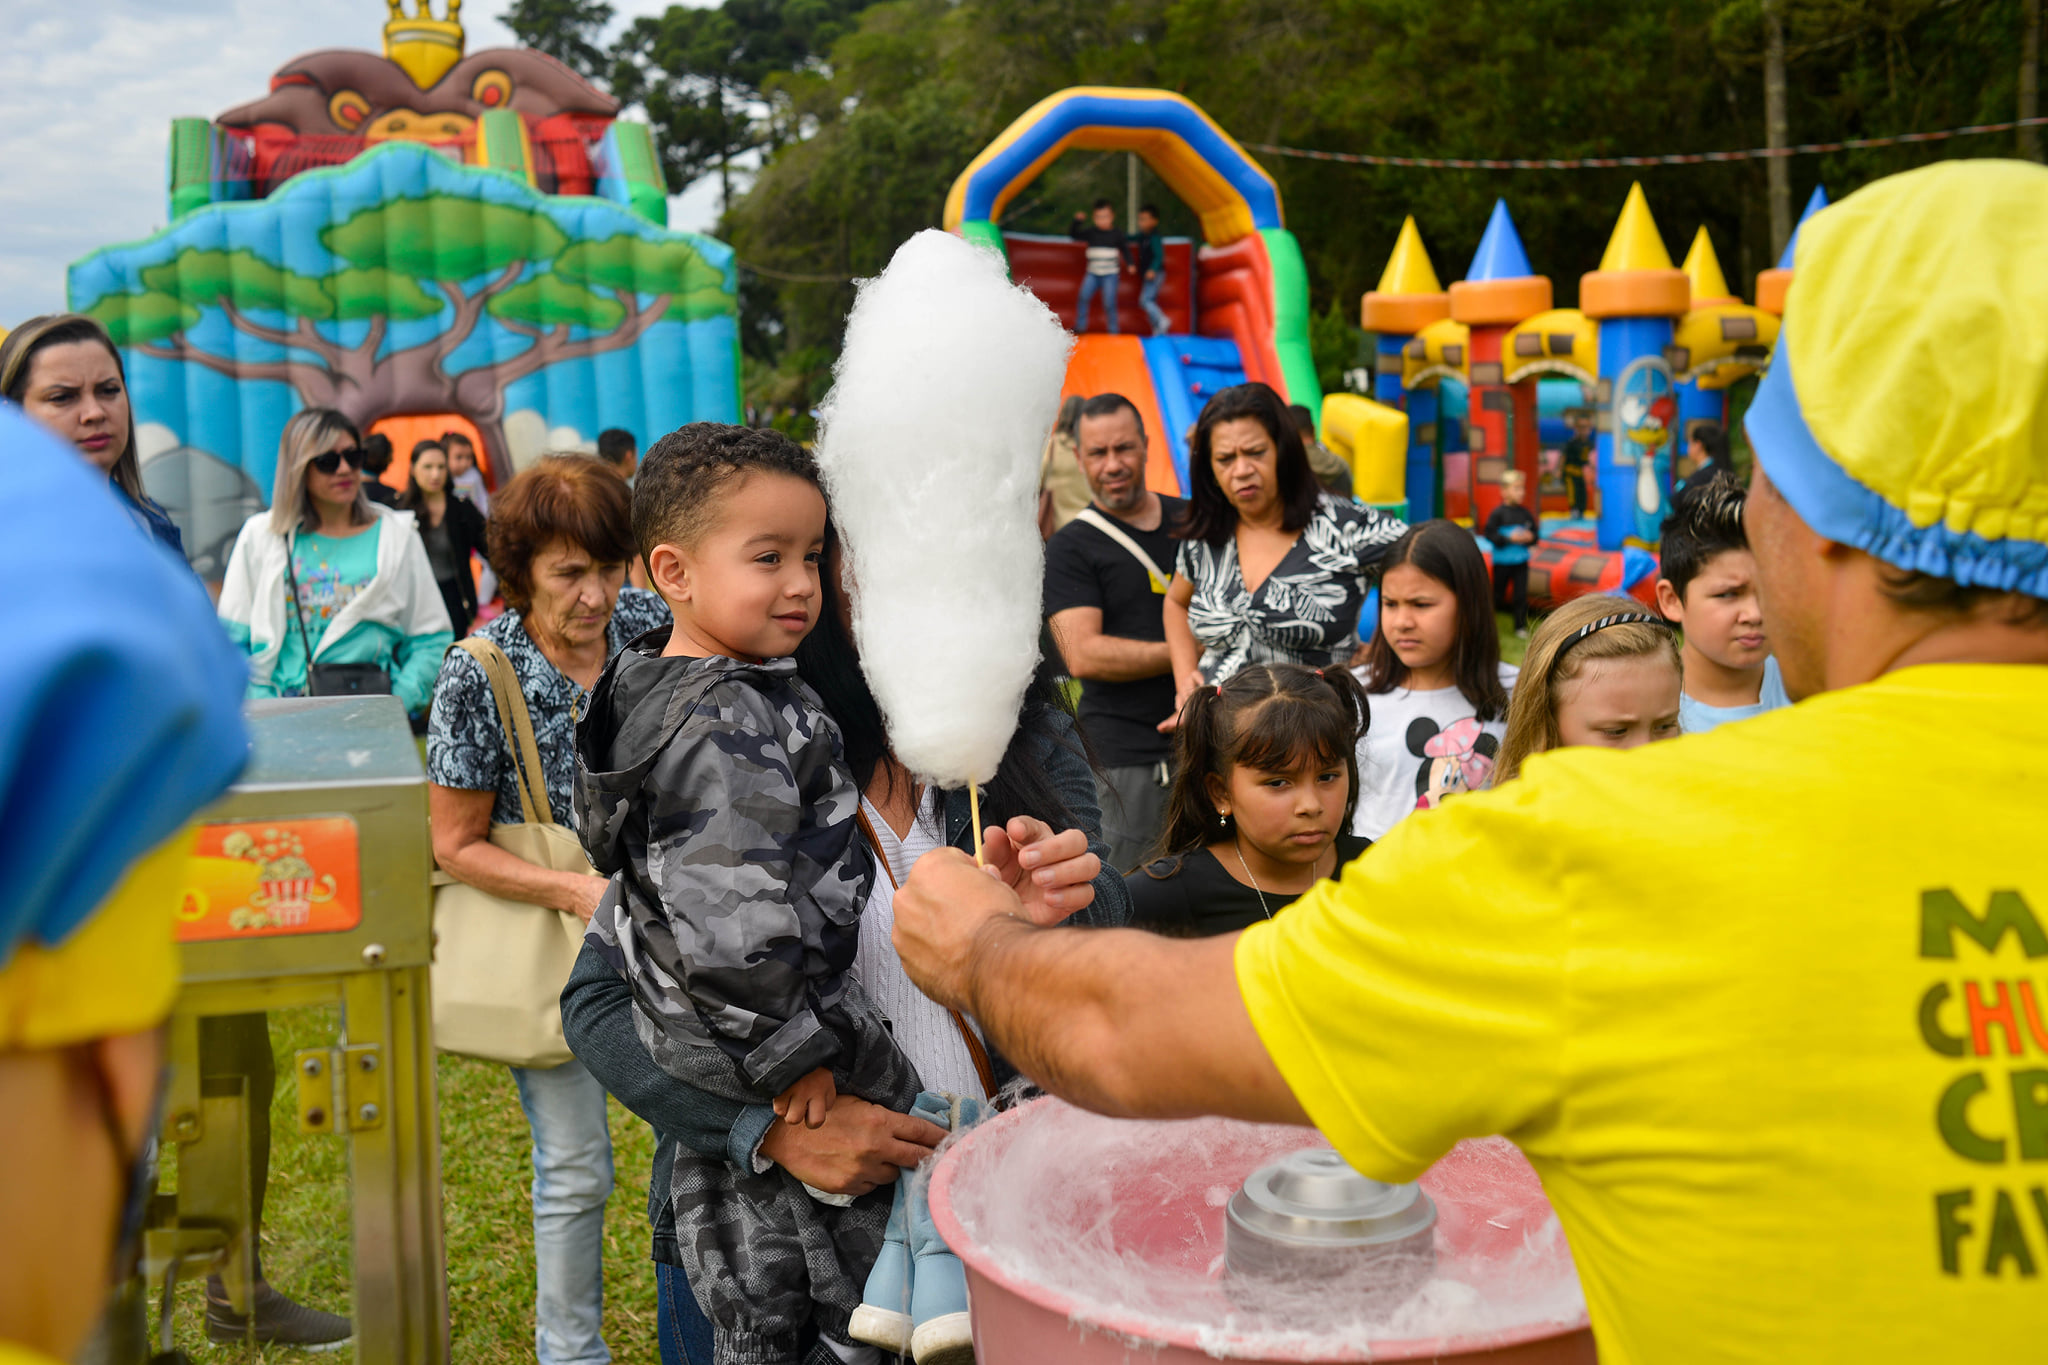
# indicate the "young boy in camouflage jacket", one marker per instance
pixel 712 790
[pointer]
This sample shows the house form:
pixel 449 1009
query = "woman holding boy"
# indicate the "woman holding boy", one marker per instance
pixel 727 1152
pixel 561 533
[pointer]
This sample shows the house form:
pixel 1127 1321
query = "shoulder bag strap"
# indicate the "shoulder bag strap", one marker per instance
pixel 291 578
pixel 530 777
pixel 1116 533
pixel 975 1050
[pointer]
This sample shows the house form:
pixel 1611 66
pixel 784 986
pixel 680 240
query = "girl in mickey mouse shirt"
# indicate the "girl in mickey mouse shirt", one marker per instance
pixel 1433 670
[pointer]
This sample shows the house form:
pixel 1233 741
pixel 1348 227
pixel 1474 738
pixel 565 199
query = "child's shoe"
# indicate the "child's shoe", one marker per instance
pixel 938 1290
pixel 883 1318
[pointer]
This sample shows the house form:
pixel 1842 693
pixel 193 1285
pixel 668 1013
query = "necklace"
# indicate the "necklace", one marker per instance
pixel 1237 847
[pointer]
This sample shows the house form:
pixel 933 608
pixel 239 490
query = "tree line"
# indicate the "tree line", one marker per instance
pixel 855 119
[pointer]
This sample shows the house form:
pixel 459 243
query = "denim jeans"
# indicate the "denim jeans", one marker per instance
pixel 1148 297
pixel 683 1330
pixel 1092 285
pixel 572 1178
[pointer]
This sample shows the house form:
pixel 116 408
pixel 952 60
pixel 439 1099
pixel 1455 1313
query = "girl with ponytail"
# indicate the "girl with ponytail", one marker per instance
pixel 1267 779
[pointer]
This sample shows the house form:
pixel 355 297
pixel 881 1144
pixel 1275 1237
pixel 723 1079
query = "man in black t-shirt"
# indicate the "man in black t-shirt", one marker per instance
pixel 1105 586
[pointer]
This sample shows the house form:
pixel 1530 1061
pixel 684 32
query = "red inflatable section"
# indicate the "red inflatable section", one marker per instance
pixel 1236 292
pixel 1051 267
pixel 1567 564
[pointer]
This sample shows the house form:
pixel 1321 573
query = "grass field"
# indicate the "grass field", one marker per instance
pixel 486 1208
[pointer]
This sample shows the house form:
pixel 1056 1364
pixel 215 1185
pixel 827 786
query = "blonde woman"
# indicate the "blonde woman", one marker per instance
pixel 328 592
pixel 1600 671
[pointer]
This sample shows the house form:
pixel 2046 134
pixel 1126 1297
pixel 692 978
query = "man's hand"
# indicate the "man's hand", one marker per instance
pixel 1115 1020
pixel 859 1147
pixel 1052 874
pixel 942 909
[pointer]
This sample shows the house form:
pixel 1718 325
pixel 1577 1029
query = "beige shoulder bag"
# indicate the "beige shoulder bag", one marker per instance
pixel 500 965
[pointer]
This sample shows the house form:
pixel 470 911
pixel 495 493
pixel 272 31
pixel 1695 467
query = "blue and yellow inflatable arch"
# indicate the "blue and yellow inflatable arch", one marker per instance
pixel 1200 162
pixel 1254 285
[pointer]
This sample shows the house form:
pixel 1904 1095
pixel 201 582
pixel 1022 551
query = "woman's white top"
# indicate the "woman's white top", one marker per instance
pixel 924 1029
pixel 1419 748
pixel 403 595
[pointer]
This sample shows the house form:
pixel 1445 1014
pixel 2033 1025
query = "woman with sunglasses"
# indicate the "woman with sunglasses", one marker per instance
pixel 327 589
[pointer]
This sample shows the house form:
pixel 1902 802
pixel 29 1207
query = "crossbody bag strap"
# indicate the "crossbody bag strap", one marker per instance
pixel 1116 533
pixel 527 772
pixel 291 578
pixel 983 1069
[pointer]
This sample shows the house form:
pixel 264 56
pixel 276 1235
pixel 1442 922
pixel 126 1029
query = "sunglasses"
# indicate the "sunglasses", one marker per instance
pixel 333 460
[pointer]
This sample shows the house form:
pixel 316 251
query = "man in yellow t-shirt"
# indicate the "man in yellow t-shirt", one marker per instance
pixel 1767 1008
pixel 120 717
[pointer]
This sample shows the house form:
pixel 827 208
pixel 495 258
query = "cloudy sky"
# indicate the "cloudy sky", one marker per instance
pixel 88 89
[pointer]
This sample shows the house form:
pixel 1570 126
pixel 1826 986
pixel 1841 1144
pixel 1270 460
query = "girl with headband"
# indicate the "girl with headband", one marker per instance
pixel 1600 670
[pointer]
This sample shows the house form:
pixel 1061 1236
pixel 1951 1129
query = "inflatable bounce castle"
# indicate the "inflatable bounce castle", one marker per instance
pixel 425 240
pixel 1487 369
pixel 1236 304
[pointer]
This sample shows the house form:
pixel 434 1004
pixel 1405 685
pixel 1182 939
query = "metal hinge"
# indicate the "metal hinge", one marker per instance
pixel 341 1089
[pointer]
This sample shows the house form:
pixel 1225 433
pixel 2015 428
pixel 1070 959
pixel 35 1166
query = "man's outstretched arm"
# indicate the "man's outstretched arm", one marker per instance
pixel 1118 1021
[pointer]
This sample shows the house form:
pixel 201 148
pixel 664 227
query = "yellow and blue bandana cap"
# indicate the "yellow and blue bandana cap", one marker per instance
pixel 1906 410
pixel 120 718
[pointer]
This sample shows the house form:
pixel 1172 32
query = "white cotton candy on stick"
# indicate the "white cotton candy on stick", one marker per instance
pixel 929 444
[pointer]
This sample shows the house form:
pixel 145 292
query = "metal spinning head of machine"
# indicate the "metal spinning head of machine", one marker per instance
pixel 1309 1220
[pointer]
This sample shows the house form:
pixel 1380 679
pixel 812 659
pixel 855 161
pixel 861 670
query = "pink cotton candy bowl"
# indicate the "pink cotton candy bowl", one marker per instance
pixel 1094 1241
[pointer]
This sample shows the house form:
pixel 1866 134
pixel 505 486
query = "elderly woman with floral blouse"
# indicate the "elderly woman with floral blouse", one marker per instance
pixel 560 536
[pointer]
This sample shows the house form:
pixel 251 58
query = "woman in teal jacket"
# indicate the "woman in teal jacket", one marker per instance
pixel 328 577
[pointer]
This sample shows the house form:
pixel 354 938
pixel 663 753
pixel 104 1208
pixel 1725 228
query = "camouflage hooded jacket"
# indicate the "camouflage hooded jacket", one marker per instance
pixel 713 794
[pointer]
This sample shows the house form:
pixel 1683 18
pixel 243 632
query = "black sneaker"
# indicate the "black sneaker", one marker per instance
pixel 279 1320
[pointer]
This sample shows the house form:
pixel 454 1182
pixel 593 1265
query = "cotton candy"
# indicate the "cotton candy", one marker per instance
pixel 929 444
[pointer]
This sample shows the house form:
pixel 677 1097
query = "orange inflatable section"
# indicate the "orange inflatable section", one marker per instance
pixel 1116 364
pixel 408 431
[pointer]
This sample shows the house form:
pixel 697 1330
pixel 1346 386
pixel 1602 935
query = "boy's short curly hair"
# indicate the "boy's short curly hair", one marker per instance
pixel 675 498
pixel 1705 520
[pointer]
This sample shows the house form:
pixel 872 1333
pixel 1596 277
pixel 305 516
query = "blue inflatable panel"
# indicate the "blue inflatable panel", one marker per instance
pixel 1637 564
pixel 1187 371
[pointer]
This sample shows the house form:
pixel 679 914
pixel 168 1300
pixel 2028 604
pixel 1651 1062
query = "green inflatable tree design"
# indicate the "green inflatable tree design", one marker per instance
pixel 408 259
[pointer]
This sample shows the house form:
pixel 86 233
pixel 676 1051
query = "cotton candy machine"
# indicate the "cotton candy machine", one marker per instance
pixel 1094 1241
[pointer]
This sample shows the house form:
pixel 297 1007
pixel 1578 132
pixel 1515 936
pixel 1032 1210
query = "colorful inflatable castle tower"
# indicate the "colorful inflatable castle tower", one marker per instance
pixel 1636 296
pixel 427 240
pixel 1499 290
pixel 1408 300
pixel 1719 340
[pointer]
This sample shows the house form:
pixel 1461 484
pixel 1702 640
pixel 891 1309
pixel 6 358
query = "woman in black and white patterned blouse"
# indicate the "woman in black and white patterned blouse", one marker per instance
pixel 1271 569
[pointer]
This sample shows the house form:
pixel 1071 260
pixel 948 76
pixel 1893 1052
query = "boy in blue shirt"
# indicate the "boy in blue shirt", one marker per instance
pixel 1512 529
pixel 1707 587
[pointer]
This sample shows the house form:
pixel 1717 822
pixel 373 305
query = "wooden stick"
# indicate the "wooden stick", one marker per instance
pixel 974 818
